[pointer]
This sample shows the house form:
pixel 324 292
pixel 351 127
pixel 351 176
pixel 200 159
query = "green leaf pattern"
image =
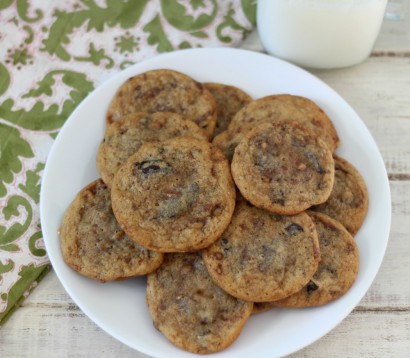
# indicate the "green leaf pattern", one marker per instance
pixel 53 53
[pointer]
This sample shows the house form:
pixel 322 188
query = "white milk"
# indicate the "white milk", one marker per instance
pixel 320 33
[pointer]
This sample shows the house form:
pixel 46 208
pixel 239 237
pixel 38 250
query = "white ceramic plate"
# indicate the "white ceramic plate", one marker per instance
pixel 119 307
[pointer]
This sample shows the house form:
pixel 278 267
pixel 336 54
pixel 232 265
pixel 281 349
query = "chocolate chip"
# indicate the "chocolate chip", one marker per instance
pixel 199 85
pixel 311 287
pixel 194 188
pixel 278 197
pixel 315 161
pixel 293 229
pixel 203 332
pixel 181 302
pixel 331 270
pixel 262 267
pixel 149 167
pixel 226 247
pixel 95 189
pixel 258 223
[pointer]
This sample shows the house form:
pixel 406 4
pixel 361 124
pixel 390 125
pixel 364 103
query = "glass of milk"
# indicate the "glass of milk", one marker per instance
pixel 320 33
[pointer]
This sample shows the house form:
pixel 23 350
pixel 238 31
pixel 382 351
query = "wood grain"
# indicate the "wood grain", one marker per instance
pixel 68 332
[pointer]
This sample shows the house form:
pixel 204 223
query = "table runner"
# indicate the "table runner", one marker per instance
pixel 52 55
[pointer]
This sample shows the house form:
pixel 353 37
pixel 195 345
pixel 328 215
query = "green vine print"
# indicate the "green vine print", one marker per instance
pixel 39 118
pixel 4 79
pixel 12 147
pixel 249 9
pixel 96 57
pixel 4 4
pixel 28 274
pixel 22 9
pixel 32 242
pixel 126 44
pixel 157 35
pixel 229 21
pixel 175 14
pixel 117 12
pixel 8 236
pixel 6 267
pixel 32 185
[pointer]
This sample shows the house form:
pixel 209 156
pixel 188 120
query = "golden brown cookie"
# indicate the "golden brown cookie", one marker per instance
pixel 227 141
pixel 283 107
pixel 124 137
pixel 349 200
pixel 229 100
pixel 263 256
pixel 165 91
pixel 282 167
pixel 93 243
pixel 337 270
pixel 190 310
pixel 260 307
pixel 174 196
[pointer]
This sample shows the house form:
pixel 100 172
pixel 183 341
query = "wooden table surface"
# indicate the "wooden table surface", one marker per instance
pixel 49 323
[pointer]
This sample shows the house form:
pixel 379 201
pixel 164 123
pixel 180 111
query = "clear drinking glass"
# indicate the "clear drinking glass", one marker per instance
pixel 320 33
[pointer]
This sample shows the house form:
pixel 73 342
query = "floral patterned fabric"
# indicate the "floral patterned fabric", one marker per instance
pixel 52 55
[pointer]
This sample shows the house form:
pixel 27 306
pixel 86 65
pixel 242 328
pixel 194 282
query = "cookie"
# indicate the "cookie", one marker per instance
pixel 284 107
pixel 263 256
pixel 189 309
pixel 174 196
pixel 282 167
pixel 349 201
pixel 227 141
pixel 124 137
pixel 165 91
pixel 260 307
pixel 93 243
pixel 337 270
pixel 229 100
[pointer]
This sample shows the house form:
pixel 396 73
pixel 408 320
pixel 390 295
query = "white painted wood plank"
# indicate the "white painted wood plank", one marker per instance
pixel 55 331
pixel 391 290
pixel 378 90
pixel 394 37
pixel 364 334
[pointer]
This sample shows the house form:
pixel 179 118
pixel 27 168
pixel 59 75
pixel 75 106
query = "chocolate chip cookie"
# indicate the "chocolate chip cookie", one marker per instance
pixel 227 141
pixel 229 100
pixel 349 200
pixel 283 107
pixel 263 256
pixel 337 270
pixel 124 137
pixel 93 243
pixel 283 167
pixel 174 196
pixel 189 309
pixel 165 91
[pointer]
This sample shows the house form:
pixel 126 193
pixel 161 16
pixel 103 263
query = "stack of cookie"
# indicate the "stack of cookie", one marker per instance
pixel 261 217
